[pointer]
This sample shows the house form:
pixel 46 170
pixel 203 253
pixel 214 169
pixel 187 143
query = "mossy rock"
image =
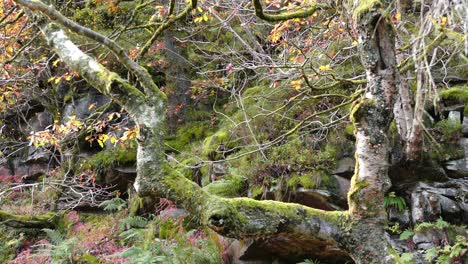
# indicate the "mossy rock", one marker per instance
pixel 455 95
pixel 229 187
pixel 450 129
pixel 187 134
pixel 214 146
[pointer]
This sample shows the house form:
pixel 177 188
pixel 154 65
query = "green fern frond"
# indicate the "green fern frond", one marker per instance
pixel 54 236
pixel 115 204
pixel 395 201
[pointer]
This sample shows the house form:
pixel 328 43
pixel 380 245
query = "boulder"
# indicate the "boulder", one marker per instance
pixel 288 249
pixel 448 200
pixel 410 172
pixel 38 122
pixel 457 168
pixel 401 217
pixel 426 240
pixel 455 116
pixel 81 107
pixel 320 199
pixel 342 187
pixel 345 167
pixel 465 126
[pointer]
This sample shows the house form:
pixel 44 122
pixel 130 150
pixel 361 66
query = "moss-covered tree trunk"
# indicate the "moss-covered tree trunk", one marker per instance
pixel 372 117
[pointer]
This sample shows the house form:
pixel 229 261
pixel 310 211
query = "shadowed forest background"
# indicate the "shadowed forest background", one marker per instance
pixel 276 131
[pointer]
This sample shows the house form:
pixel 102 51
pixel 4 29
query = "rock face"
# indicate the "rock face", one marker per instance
pixel 345 167
pixel 284 250
pixel 465 126
pixel 459 168
pixel 81 107
pixel 447 200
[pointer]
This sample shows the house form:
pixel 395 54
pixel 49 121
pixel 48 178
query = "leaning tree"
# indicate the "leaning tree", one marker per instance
pixel 359 231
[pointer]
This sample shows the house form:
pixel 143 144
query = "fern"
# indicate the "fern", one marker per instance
pixel 114 204
pixel 441 224
pixel 132 235
pixel 407 234
pixel 309 261
pixel 133 222
pixel 406 258
pixel 137 255
pixel 54 236
pixel 393 200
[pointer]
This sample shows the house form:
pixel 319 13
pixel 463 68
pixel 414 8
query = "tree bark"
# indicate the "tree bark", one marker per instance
pixel 372 117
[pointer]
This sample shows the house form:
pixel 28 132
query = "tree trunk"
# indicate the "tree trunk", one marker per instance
pixel 372 117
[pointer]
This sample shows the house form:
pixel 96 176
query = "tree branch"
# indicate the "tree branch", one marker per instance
pixel 107 82
pixel 49 219
pixel 290 15
pixel 141 73
pixel 166 24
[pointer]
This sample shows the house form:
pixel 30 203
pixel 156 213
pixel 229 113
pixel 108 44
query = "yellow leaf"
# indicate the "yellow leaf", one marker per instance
pixel 54 64
pixel 205 17
pixel 91 106
pixel 100 143
pixel 325 68
pixel 296 84
pixel 398 16
pixel 103 137
pixel 443 22
pixel 199 9
pixel 68 78
pixel 113 140
pixel 57 80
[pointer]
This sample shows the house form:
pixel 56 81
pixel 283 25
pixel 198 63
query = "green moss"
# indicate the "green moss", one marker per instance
pixel 349 129
pixel 450 129
pixel 104 160
pixel 214 145
pixel 230 186
pixel 187 134
pixel 456 94
pixel 361 108
pixel 364 7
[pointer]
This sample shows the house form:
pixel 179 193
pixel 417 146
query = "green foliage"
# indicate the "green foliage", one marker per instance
pixel 61 249
pixel 133 222
pixel 309 261
pixel 439 224
pixel 449 253
pixel 407 234
pixel 106 159
pixel 214 145
pixel 138 255
pixel 456 94
pixel 395 201
pixel 395 228
pixel 450 250
pixel 54 236
pixel 450 129
pixel 187 134
pixel 114 204
pixel 406 258
pixel 9 241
